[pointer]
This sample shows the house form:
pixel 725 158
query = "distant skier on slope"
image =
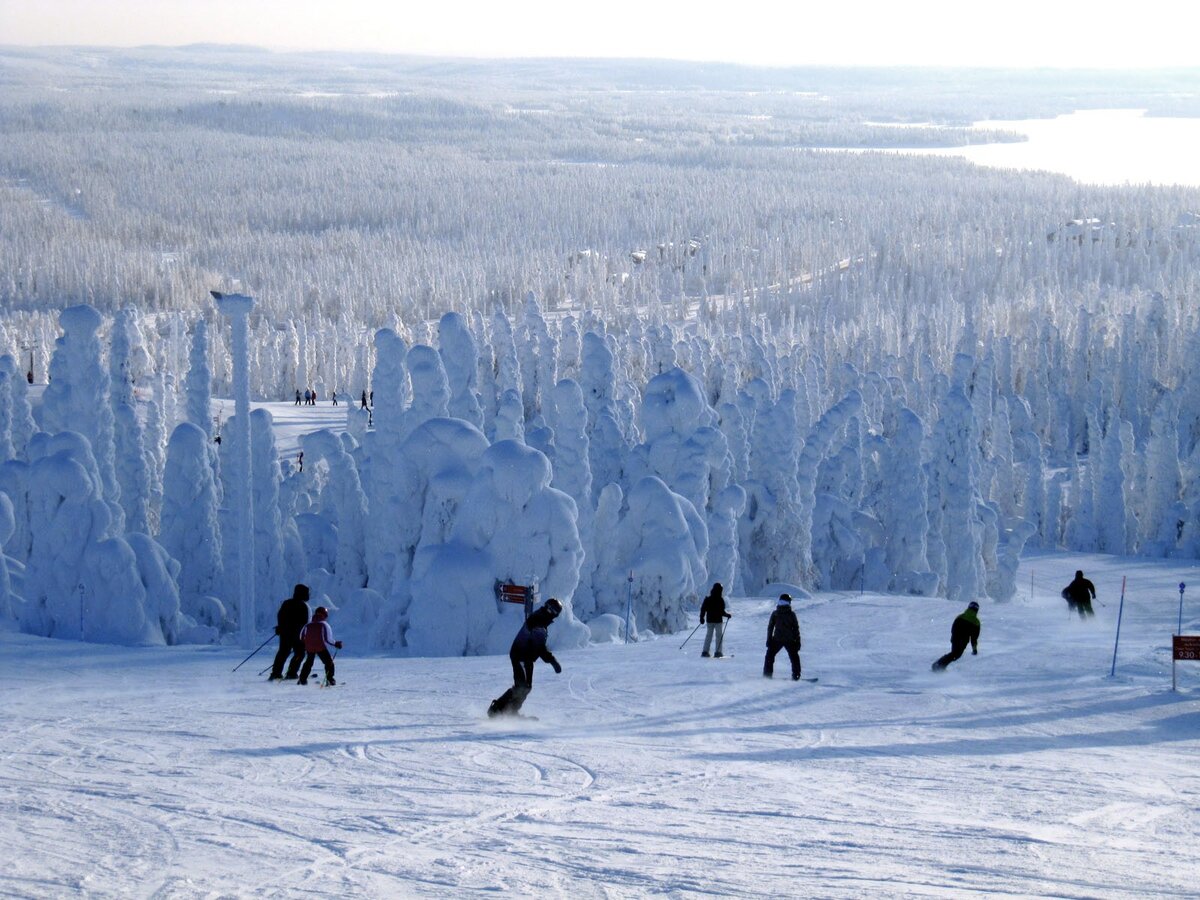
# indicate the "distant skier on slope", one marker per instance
pixel 527 647
pixel 965 630
pixel 1079 595
pixel 712 612
pixel 783 633
pixel 318 636
pixel 291 619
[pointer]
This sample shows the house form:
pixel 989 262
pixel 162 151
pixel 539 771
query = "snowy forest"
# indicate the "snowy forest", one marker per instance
pixel 648 329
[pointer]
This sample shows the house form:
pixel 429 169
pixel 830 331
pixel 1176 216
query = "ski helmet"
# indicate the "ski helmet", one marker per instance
pixel 553 606
pixel 785 598
pixel 972 605
pixel 321 613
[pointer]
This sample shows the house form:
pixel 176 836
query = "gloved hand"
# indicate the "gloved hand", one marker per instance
pixel 277 629
pixel 338 644
pixel 729 615
pixel 557 668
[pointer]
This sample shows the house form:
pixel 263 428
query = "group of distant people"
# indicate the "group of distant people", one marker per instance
pixel 309 397
pixel 305 640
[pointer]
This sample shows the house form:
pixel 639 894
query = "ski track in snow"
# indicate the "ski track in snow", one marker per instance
pixel 1023 771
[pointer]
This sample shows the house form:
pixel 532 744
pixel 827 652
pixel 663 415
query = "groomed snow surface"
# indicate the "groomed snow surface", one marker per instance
pixel 1023 771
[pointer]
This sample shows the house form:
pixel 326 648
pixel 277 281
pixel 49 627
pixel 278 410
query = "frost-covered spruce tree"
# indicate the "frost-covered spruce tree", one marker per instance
pixel 189 527
pixel 572 472
pixel 384 497
pixel 7 367
pixel 22 427
pixel 77 398
pixel 459 359
pixel 430 390
pixel 198 385
pixel 820 440
pixel 663 540
pixel 1164 513
pixel 133 473
pixel 83 581
pixel 1033 497
pixel 1110 511
pixel 438 465
pixel 9 602
pixel 1001 465
pixel 510 526
pixel 596 380
pixel 349 506
pixel 954 456
pixel 904 514
pixel 510 418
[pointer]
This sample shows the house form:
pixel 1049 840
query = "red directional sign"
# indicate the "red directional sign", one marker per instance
pixel 1186 646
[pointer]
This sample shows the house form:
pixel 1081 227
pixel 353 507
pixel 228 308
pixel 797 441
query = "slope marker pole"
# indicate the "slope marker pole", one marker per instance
pixel 1120 613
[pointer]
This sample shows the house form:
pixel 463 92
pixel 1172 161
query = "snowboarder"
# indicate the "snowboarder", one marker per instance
pixel 965 630
pixel 317 637
pixel 292 617
pixel 783 633
pixel 528 646
pixel 1079 595
pixel 712 611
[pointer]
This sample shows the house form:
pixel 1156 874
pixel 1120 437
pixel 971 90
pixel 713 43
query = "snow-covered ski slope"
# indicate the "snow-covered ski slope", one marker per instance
pixel 1023 771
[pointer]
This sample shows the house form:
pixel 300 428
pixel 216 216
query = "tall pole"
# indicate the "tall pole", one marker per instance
pixel 1117 642
pixel 1179 627
pixel 236 308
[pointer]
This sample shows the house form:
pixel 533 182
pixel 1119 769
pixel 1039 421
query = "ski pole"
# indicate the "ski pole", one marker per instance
pixel 260 646
pixel 263 671
pixel 689 637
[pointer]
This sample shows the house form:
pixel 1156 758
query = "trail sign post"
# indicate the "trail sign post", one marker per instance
pixel 1185 647
pixel 507 592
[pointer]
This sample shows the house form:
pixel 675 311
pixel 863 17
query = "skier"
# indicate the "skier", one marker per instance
pixel 1079 595
pixel 297 396
pixel 292 617
pixel 333 394
pixel 317 636
pixel 364 399
pixel 965 630
pixel 713 611
pixel 528 646
pixel 783 633
pixel 307 396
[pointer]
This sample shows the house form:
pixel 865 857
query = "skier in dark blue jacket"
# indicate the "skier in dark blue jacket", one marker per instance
pixel 527 647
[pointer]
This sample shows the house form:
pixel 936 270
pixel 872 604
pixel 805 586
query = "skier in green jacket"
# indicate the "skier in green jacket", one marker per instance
pixel 965 630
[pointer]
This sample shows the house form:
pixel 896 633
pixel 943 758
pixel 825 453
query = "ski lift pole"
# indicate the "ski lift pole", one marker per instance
pixel 1116 643
pixel 628 605
pixel 270 638
pixel 1179 627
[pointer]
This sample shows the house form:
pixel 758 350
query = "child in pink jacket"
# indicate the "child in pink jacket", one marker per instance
pixel 317 638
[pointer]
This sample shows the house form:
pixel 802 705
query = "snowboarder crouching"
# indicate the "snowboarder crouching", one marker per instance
pixel 712 611
pixel 965 630
pixel 291 619
pixel 1079 595
pixel 527 647
pixel 783 633
pixel 317 637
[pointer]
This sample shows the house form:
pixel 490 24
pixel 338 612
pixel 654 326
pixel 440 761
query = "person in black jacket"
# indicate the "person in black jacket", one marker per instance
pixel 527 647
pixel 292 616
pixel 783 633
pixel 1079 595
pixel 965 630
pixel 713 611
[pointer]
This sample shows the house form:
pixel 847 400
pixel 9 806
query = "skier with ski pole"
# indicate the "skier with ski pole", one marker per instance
pixel 317 636
pixel 291 619
pixel 713 609
pixel 251 656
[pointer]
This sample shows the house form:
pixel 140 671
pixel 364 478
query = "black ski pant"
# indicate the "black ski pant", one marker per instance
pixel 288 644
pixel 957 648
pixel 310 656
pixel 510 702
pixel 773 648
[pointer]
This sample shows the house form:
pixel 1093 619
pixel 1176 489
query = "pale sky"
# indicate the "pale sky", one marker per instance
pixel 1059 33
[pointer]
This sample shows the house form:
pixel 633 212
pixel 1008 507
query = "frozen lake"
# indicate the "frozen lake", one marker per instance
pixel 1101 146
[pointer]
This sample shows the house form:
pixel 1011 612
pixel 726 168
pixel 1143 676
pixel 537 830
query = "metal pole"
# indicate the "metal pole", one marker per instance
pixel 689 637
pixel 1116 643
pixel 1179 627
pixel 270 638
pixel 628 605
